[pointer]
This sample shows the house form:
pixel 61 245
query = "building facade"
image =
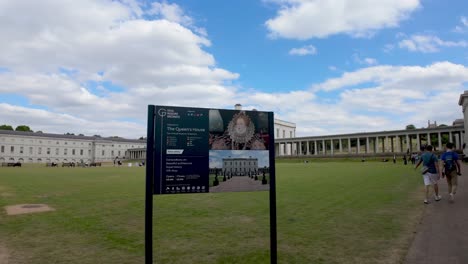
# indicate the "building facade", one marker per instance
pixel 240 166
pixel 382 142
pixel 29 147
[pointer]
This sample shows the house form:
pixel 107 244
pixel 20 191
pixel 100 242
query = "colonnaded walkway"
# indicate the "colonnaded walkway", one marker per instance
pixel 240 183
pixel 442 237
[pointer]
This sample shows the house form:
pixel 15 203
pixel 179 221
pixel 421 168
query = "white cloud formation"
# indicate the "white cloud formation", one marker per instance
pixel 366 61
pixel 398 94
pixel 463 27
pixel 428 43
pixel 302 51
pixel 305 19
pixel 171 12
pixel 52 57
pixel 62 58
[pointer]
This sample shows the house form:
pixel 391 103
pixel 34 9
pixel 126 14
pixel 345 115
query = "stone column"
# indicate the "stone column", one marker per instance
pixel 418 143
pixel 407 143
pixel 324 147
pixel 386 141
pixel 429 139
pixel 450 137
pixel 341 146
pixel 349 145
pixel 358 145
pixel 332 146
pixel 464 103
pixel 367 145
pixel 307 147
pixel 457 141
pixel 315 147
pixel 392 147
pixel 439 137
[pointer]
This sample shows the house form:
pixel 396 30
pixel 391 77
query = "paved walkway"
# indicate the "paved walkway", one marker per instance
pixel 442 237
pixel 240 183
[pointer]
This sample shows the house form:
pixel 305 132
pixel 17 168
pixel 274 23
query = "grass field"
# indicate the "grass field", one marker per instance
pixel 328 212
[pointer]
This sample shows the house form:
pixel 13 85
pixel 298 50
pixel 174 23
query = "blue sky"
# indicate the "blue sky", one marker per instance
pixel 330 66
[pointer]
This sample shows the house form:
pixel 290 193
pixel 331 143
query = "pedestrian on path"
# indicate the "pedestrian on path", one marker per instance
pixel 452 168
pixel 430 172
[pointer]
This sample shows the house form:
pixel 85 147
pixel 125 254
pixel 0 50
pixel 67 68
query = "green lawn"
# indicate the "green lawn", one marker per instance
pixel 328 212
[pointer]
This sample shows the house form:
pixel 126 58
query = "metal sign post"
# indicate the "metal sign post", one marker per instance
pixel 180 142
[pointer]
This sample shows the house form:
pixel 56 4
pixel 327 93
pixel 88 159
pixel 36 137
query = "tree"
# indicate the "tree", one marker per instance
pixel 411 126
pixel 142 138
pixel 69 134
pixel 39 132
pixel 6 127
pixel 23 128
pixel 442 125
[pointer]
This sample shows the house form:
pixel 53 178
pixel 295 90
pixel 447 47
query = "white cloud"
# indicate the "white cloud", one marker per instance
pixel 171 12
pixel 305 19
pixel 366 61
pixel 46 121
pixel 428 43
pixel 463 27
pixel 388 48
pixel 159 61
pixel 388 96
pixel 306 50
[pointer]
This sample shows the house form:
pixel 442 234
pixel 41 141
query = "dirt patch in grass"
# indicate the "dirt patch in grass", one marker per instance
pixel 4 255
pixel 27 209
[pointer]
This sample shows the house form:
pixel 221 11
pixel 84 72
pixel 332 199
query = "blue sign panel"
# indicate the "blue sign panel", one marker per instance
pixel 198 150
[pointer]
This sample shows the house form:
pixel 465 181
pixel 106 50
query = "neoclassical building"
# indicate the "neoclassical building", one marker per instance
pixel 29 147
pixel 240 166
pixel 381 142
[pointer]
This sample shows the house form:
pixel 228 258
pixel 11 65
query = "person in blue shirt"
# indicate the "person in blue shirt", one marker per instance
pixel 451 165
pixel 431 172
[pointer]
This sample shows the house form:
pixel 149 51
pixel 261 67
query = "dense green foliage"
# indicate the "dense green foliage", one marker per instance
pixel 6 127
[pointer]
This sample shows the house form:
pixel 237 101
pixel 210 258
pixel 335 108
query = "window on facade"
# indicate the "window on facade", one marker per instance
pixel 39 151
pixel 284 133
pixel 48 151
pixel 66 143
pixel 56 151
pixel 89 152
pixel 290 134
pixel 81 152
pixel 12 149
pixel 21 150
pixel 57 142
pixel 65 151
pixel 73 151
pixel 40 141
pixel 30 150
pixel 119 153
pixel 277 132
pixel 112 153
pixel 103 152
pixel 2 149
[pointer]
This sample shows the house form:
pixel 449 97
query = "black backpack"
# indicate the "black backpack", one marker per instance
pixel 449 162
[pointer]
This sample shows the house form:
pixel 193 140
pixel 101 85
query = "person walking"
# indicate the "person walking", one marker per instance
pixel 452 168
pixel 430 172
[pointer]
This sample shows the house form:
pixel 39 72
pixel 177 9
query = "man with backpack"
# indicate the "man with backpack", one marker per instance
pixel 430 171
pixel 452 168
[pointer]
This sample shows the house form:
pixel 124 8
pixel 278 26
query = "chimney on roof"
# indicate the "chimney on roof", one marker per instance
pixel 238 107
